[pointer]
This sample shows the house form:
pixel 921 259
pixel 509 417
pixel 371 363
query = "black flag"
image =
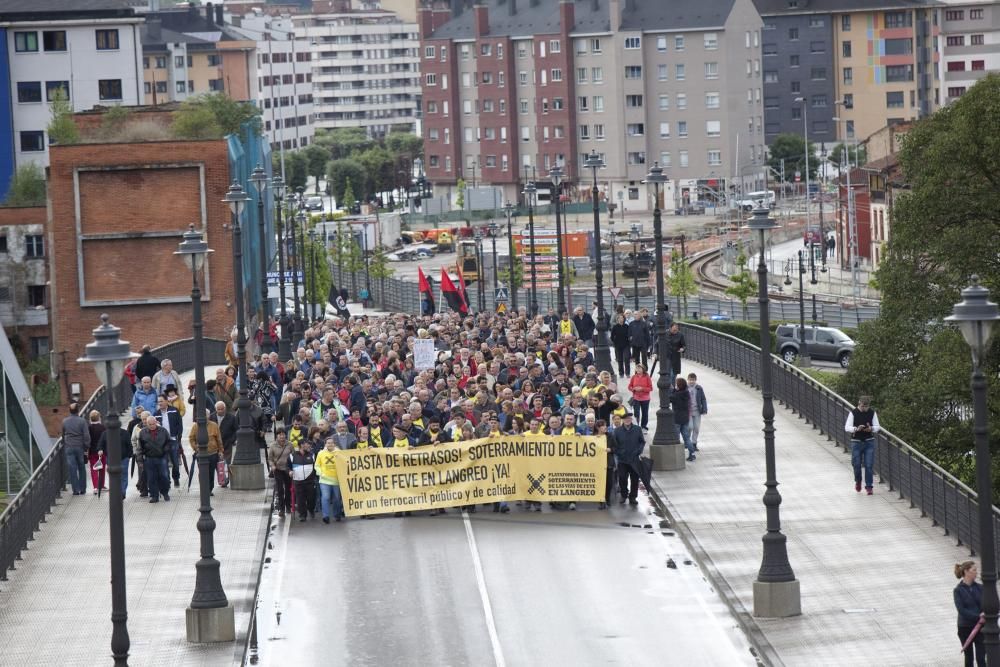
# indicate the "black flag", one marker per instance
pixel 339 303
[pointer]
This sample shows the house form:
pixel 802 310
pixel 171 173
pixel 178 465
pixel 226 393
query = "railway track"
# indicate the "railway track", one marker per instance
pixel 709 285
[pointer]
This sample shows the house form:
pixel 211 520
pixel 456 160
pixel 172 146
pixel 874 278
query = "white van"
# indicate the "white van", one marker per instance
pixel 752 200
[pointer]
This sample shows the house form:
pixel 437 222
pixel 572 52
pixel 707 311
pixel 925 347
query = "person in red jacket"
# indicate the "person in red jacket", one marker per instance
pixel 641 386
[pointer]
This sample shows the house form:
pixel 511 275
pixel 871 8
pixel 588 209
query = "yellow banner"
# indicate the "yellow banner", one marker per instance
pixel 515 467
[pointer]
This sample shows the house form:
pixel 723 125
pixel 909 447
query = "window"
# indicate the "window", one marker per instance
pixel 633 71
pixel 583 103
pixel 599 102
pixel 34 246
pixel 712 100
pixel 554 46
pixel 956 66
pixel 29 91
pixel 849 101
pixel 661 72
pixel 664 130
pixel 817 73
pixel 664 103
pixel 110 89
pixel 682 101
pixel 467 107
pixel 635 129
pixel 850 129
pixel 817 47
pixel 682 129
pixel 714 158
pixel 955 40
pixel 54 40
pixel 25 41
pixel 957 91
pixel 463 51
pixel 845 23
pixel 713 128
pixel 39 346
pixel 896 73
pixel 679 71
pixel 180 86
pixel 485 49
pixel 525 135
pixel 557 104
pixel 846 48
pixel 32 141
pixel 678 42
pixel 978 65
pixel 818 101
pixel 976 40
pixel 661 44
pixel 466 79
pixel 581 75
pixel 161 86
pixel 952 15
pixel 216 85
pixel 431 79
pixel 902 19
pixel 433 161
pixel 637 157
pixel 770 76
pixel 522 106
pixel 149 89
pixel 682 158
pixel 597 74
pixel 595 45
pixel 599 132
pixel 161 62
pixel 771 102
pixel 816 22
pixel 581 46
pixel 633 101
pixel 490 134
pixel 793 33
pixel 975 14
pixel 796 113
pixel 793 60
pixel 214 59
pixel 107 40
pixel 711 70
pixel 848 76
pixel 894 100
pixel 665 159
pixel 795 87
pixel 429 52
pixel 557 75
pixel 36 296
pixel 522 78
pixel 711 40
pixel 584 132
pixel 770 50
pixel 632 42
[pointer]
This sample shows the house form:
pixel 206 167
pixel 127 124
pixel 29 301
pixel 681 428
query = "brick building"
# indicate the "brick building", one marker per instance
pixel 24 294
pixel 118 212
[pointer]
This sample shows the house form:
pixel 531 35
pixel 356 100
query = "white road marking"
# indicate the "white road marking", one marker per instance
pixel 483 593
pixel 270 627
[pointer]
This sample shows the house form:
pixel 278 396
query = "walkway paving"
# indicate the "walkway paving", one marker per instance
pixel 56 607
pixel 876 578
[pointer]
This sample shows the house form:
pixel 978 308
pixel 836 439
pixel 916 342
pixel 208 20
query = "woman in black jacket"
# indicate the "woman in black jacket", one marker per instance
pixel 680 401
pixel 621 341
pixel 968 597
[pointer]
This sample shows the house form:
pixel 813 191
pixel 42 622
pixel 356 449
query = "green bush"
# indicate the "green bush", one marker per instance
pixel 745 331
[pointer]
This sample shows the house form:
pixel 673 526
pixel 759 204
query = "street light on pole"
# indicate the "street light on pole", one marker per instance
pixel 614 269
pixel 512 286
pixel 259 180
pixel 805 134
pixel 303 218
pixel 666 448
pixel 602 353
pixel 210 617
pixel 247 470
pixel 285 341
pixel 529 193
pixel 804 359
pixel 775 591
pixel 109 354
pixel 312 274
pixel 556 174
pixel 494 229
pixel 634 234
pixel 295 264
pixel 976 316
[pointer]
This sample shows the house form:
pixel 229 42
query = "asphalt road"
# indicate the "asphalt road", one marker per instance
pixel 574 588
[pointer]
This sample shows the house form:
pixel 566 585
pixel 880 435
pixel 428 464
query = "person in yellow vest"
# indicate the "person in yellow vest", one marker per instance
pixel 566 326
pixel 297 433
pixel 329 485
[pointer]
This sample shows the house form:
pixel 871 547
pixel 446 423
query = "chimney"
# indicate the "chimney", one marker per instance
pixel 153 26
pixel 512 7
pixel 210 13
pixel 456 8
pixel 481 19
pixel 219 18
pixel 615 14
pixel 567 15
pixel 425 21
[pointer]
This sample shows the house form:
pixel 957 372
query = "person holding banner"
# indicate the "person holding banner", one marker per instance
pixel 968 596
pixel 329 485
pixel 609 481
pixel 629 444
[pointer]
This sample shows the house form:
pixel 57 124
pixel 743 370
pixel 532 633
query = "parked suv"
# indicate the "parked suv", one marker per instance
pixel 824 343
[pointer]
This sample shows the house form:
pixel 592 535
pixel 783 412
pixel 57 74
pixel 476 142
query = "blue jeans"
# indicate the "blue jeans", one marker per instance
pixel 157 477
pixel 863 450
pixel 174 452
pixel 641 412
pixel 684 431
pixel 76 461
pixel 330 492
pixel 125 463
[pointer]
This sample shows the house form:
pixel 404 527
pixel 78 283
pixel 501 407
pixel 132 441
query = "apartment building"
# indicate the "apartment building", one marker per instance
pixel 190 51
pixel 970 44
pixel 24 297
pixel 867 63
pixel 365 69
pixel 511 90
pixel 89 50
pixel 284 88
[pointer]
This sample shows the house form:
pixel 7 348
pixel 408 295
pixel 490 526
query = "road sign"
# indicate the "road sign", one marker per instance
pixel 615 292
pixel 274 277
pixel 501 294
pixel 798 176
pixel 501 308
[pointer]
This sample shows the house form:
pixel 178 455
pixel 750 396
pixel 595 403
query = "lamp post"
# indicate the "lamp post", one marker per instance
pixel 210 617
pixel 775 591
pixel 295 265
pixel 303 218
pixel 529 193
pixel 494 229
pixel 364 252
pixel 285 342
pixel 805 136
pixel 247 470
pixel 602 353
pixel 312 274
pixel 666 449
pixel 976 317
pixel 259 180
pixel 556 174
pixel 614 269
pixel 509 210
pixel 109 354
pixel 634 235
pixel 804 359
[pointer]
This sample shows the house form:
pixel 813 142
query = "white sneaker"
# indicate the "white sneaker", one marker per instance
pixel 572 506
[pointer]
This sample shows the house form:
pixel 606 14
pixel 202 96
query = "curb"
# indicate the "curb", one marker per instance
pixel 763 651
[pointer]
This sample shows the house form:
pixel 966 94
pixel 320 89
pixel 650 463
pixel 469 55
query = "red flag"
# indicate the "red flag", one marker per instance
pixel 454 298
pixel 461 282
pixel 428 293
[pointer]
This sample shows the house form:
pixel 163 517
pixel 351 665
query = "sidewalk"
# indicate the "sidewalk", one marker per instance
pixel 876 578
pixel 57 605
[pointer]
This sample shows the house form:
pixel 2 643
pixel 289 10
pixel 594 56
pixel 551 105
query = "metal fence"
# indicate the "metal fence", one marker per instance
pixel 27 510
pixel 936 493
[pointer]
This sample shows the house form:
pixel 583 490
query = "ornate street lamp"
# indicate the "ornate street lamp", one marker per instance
pixel 612 207
pixel 602 353
pixel 285 342
pixel 312 273
pixel 804 359
pixel 303 219
pixel 666 449
pixel 556 174
pixel 529 193
pixel 494 229
pixel 634 234
pixel 509 210
pixel 109 354
pixel 259 180
pixel 247 470
pixel 775 591
pixel 295 264
pixel 976 316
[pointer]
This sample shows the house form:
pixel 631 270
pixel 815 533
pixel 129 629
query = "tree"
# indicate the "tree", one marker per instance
pixel 380 269
pixel 848 154
pixel 296 171
pixel 214 115
pixel 27 188
pixel 792 148
pixel 341 172
pixel 316 160
pixel 344 142
pixel 744 286
pixel 460 197
pixel 348 193
pixel 403 142
pixel 195 121
pixel 378 168
pixel 62 130
pixel 318 287
pixel 503 272
pixel 681 282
